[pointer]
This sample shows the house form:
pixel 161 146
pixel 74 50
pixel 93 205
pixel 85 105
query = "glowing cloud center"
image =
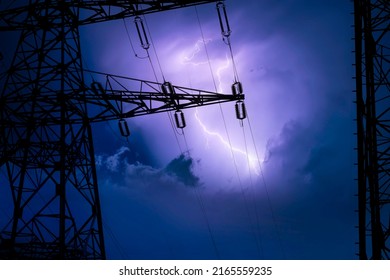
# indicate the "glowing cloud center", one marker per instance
pixel 252 160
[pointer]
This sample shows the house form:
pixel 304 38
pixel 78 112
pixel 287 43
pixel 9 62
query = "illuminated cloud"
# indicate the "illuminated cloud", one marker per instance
pixel 294 62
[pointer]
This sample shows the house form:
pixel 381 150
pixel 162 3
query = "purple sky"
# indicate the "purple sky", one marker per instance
pixel 294 60
pixel 295 200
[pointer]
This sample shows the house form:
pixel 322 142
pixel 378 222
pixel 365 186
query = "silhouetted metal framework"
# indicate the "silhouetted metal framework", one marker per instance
pixel 46 111
pixel 372 23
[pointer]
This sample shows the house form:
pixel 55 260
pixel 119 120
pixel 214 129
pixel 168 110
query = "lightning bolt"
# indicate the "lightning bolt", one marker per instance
pixel 252 160
pixel 197 49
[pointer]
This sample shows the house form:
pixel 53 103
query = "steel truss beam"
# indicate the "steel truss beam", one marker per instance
pixel 90 12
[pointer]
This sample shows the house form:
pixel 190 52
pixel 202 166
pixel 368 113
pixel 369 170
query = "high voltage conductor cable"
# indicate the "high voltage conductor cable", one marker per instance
pixel 204 212
pixel 143 36
pixel 144 41
pixel 216 89
pixel 167 87
pixel 98 89
pixel 200 201
pixel 203 209
pixel 154 48
pixel 186 143
pixel 139 24
pixel 223 116
pixel 115 240
pixel 226 32
pixel 131 42
pixel 223 19
pixel 257 236
pixel 237 88
pixel 267 192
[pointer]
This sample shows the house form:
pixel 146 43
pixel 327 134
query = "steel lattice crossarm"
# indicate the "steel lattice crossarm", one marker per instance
pixel 118 99
pixel 85 12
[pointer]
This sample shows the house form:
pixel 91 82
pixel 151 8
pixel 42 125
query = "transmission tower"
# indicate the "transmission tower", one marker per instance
pixel 46 111
pixel 372 24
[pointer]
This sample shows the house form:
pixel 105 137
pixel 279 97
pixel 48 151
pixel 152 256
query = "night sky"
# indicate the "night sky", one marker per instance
pixel 288 190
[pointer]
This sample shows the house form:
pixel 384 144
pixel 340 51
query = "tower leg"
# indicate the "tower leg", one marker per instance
pixel 47 152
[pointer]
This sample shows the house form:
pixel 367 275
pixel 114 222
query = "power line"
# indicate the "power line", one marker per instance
pixel 257 236
pixel 131 41
pixel 267 193
pixel 154 49
pixel 226 129
pixel 176 133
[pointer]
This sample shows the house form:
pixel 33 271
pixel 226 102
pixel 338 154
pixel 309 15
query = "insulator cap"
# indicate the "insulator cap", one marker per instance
pixel 179 119
pixel 240 110
pixel 124 128
pixel 237 88
pixel 167 88
pixel 143 38
pixel 223 19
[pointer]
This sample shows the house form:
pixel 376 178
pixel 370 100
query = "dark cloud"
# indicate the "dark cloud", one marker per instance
pixel 181 167
pixel 179 171
pixel 294 59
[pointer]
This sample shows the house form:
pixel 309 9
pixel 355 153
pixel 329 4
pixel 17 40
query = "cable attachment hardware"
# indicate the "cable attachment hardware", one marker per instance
pixel 124 128
pixel 240 110
pixel 143 38
pixel 179 119
pixel 167 88
pixel 223 20
pixel 237 88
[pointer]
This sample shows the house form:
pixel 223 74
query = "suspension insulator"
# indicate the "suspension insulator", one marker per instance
pixel 237 88
pixel 240 110
pixel 167 88
pixel 124 128
pixel 97 88
pixel 180 120
pixel 223 19
pixel 143 38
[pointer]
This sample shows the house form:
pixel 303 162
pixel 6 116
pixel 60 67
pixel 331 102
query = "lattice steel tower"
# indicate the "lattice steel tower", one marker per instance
pixel 46 110
pixel 372 49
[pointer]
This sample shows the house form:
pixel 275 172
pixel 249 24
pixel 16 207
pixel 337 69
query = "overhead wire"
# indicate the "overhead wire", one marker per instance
pixel 225 30
pixel 205 216
pixel 174 129
pixel 154 49
pixel 200 201
pixel 202 206
pixel 148 56
pixel 216 89
pixel 146 48
pixel 176 133
pixel 115 240
pixel 274 220
pixel 131 41
pixel 198 194
pixel 257 215
pixel 225 126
